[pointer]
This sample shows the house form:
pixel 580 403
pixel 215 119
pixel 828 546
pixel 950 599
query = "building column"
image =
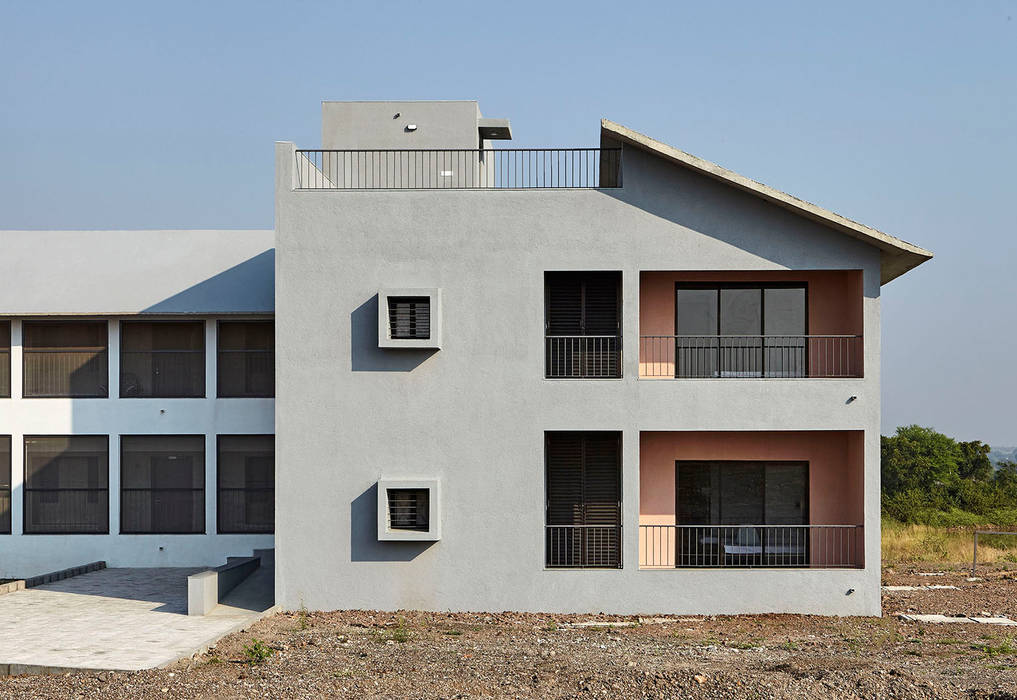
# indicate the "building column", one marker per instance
pixel 211 389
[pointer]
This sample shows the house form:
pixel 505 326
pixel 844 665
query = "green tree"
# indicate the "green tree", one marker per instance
pixel 917 458
pixel 974 461
pixel 1006 475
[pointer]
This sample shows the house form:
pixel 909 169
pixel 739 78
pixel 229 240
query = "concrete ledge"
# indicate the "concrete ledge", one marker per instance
pixel 202 592
pixel 62 574
pixel 207 588
pixel 12 586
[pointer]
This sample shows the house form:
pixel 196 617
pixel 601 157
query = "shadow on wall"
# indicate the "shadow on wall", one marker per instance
pixel 364 544
pixel 366 356
pixel 246 287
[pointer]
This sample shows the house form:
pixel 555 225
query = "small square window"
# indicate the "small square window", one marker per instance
pixel 409 318
pixel 408 510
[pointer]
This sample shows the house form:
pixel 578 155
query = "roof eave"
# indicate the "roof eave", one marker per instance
pixel 898 256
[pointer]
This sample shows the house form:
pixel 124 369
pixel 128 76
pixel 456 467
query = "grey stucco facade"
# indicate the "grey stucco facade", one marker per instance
pixel 473 414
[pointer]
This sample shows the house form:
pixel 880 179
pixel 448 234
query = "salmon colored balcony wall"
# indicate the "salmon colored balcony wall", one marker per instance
pixel 834 308
pixel 836 469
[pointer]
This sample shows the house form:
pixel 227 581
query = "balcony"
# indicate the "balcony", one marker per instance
pixel 734 499
pixel 750 356
pixel 459 169
pixel 750 546
pixel 762 324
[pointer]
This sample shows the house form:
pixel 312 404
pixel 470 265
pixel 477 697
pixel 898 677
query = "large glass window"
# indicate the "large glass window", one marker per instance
pixel 164 359
pixel 162 484
pixel 5 484
pixel 246 469
pixel 65 359
pixel 67 484
pixel 5 359
pixel 762 506
pixel 583 506
pixel 741 330
pixel 246 359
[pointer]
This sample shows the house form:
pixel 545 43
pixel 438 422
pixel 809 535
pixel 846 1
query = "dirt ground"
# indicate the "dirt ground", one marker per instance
pixel 432 655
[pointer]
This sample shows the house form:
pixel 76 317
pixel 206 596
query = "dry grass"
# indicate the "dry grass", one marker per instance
pixel 946 547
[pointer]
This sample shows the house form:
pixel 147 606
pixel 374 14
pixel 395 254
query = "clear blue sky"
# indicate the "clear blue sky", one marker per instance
pixel 900 115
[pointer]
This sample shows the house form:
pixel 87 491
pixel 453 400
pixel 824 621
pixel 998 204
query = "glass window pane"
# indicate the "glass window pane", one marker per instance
pixel 65 359
pixel 697 312
pixel 66 484
pixel 162 359
pixel 246 359
pixel 246 468
pixel 785 311
pixel 741 312
pixel 162 484
pixel 5 359
pixel 5 484
pixel 741 493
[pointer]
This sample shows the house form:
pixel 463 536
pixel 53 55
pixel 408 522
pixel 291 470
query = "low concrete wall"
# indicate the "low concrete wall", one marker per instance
pixel 207 588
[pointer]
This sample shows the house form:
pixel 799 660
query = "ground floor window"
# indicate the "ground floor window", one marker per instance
pixel 246 498
pixel 162 484
pixel 5 484
pixel 742 513
pixel 66 484
pixel 583 500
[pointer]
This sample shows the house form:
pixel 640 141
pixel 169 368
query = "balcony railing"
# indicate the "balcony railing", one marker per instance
pixel 746 546
pixel 459 169
pixel 746 356
pixel 582 356
pixel 583 546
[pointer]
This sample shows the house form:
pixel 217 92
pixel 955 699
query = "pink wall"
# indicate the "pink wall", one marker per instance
pixel 836 468
pixel 834 300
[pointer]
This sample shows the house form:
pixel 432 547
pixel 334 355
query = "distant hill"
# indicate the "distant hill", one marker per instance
pixel 1000 454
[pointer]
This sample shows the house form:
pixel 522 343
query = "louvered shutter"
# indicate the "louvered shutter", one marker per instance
pixel 583 324
pixel 409 318
pixel 583 489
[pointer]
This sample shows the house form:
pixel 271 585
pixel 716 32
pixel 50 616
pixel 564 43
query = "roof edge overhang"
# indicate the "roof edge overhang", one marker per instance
pixel 897 256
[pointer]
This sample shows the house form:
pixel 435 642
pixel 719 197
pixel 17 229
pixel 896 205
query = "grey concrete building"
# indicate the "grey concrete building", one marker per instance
pixel 616 379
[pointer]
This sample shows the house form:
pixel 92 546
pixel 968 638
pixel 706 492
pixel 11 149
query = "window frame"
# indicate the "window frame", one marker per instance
pixel 204 482
pixel 25 489
pixel 761 286
pixel 218 485
pixel 218 358
pixel 26 351
pixel 6 524
pixel 5 350
pixel 182 321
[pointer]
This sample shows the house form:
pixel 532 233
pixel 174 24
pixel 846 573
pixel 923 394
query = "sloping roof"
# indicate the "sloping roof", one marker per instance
pixel 898 256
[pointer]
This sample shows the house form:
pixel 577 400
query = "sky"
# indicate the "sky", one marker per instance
pixel 903 115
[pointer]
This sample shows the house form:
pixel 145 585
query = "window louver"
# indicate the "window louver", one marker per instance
pixel 583 324
pixel 583 500
pixel 409 318
pixel 408 509
pixel 5 484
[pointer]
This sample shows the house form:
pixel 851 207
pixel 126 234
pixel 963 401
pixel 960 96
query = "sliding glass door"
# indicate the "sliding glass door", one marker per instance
pixel 740 330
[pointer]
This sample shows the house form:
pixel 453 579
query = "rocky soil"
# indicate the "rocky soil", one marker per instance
pixel 430 655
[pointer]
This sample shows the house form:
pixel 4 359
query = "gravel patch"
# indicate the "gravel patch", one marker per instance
pixel 464 655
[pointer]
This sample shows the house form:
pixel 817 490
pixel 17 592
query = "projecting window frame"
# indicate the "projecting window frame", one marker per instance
pixel 247 354
pixel 199 506
pixel 6 475
pixel 126 391
pixel 387 487
pixel 100 358
pixel 432 296
pixel 219 511
pixel 5 359
pixel 101 494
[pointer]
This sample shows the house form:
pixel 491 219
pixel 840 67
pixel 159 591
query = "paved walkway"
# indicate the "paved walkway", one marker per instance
pixel 120 619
